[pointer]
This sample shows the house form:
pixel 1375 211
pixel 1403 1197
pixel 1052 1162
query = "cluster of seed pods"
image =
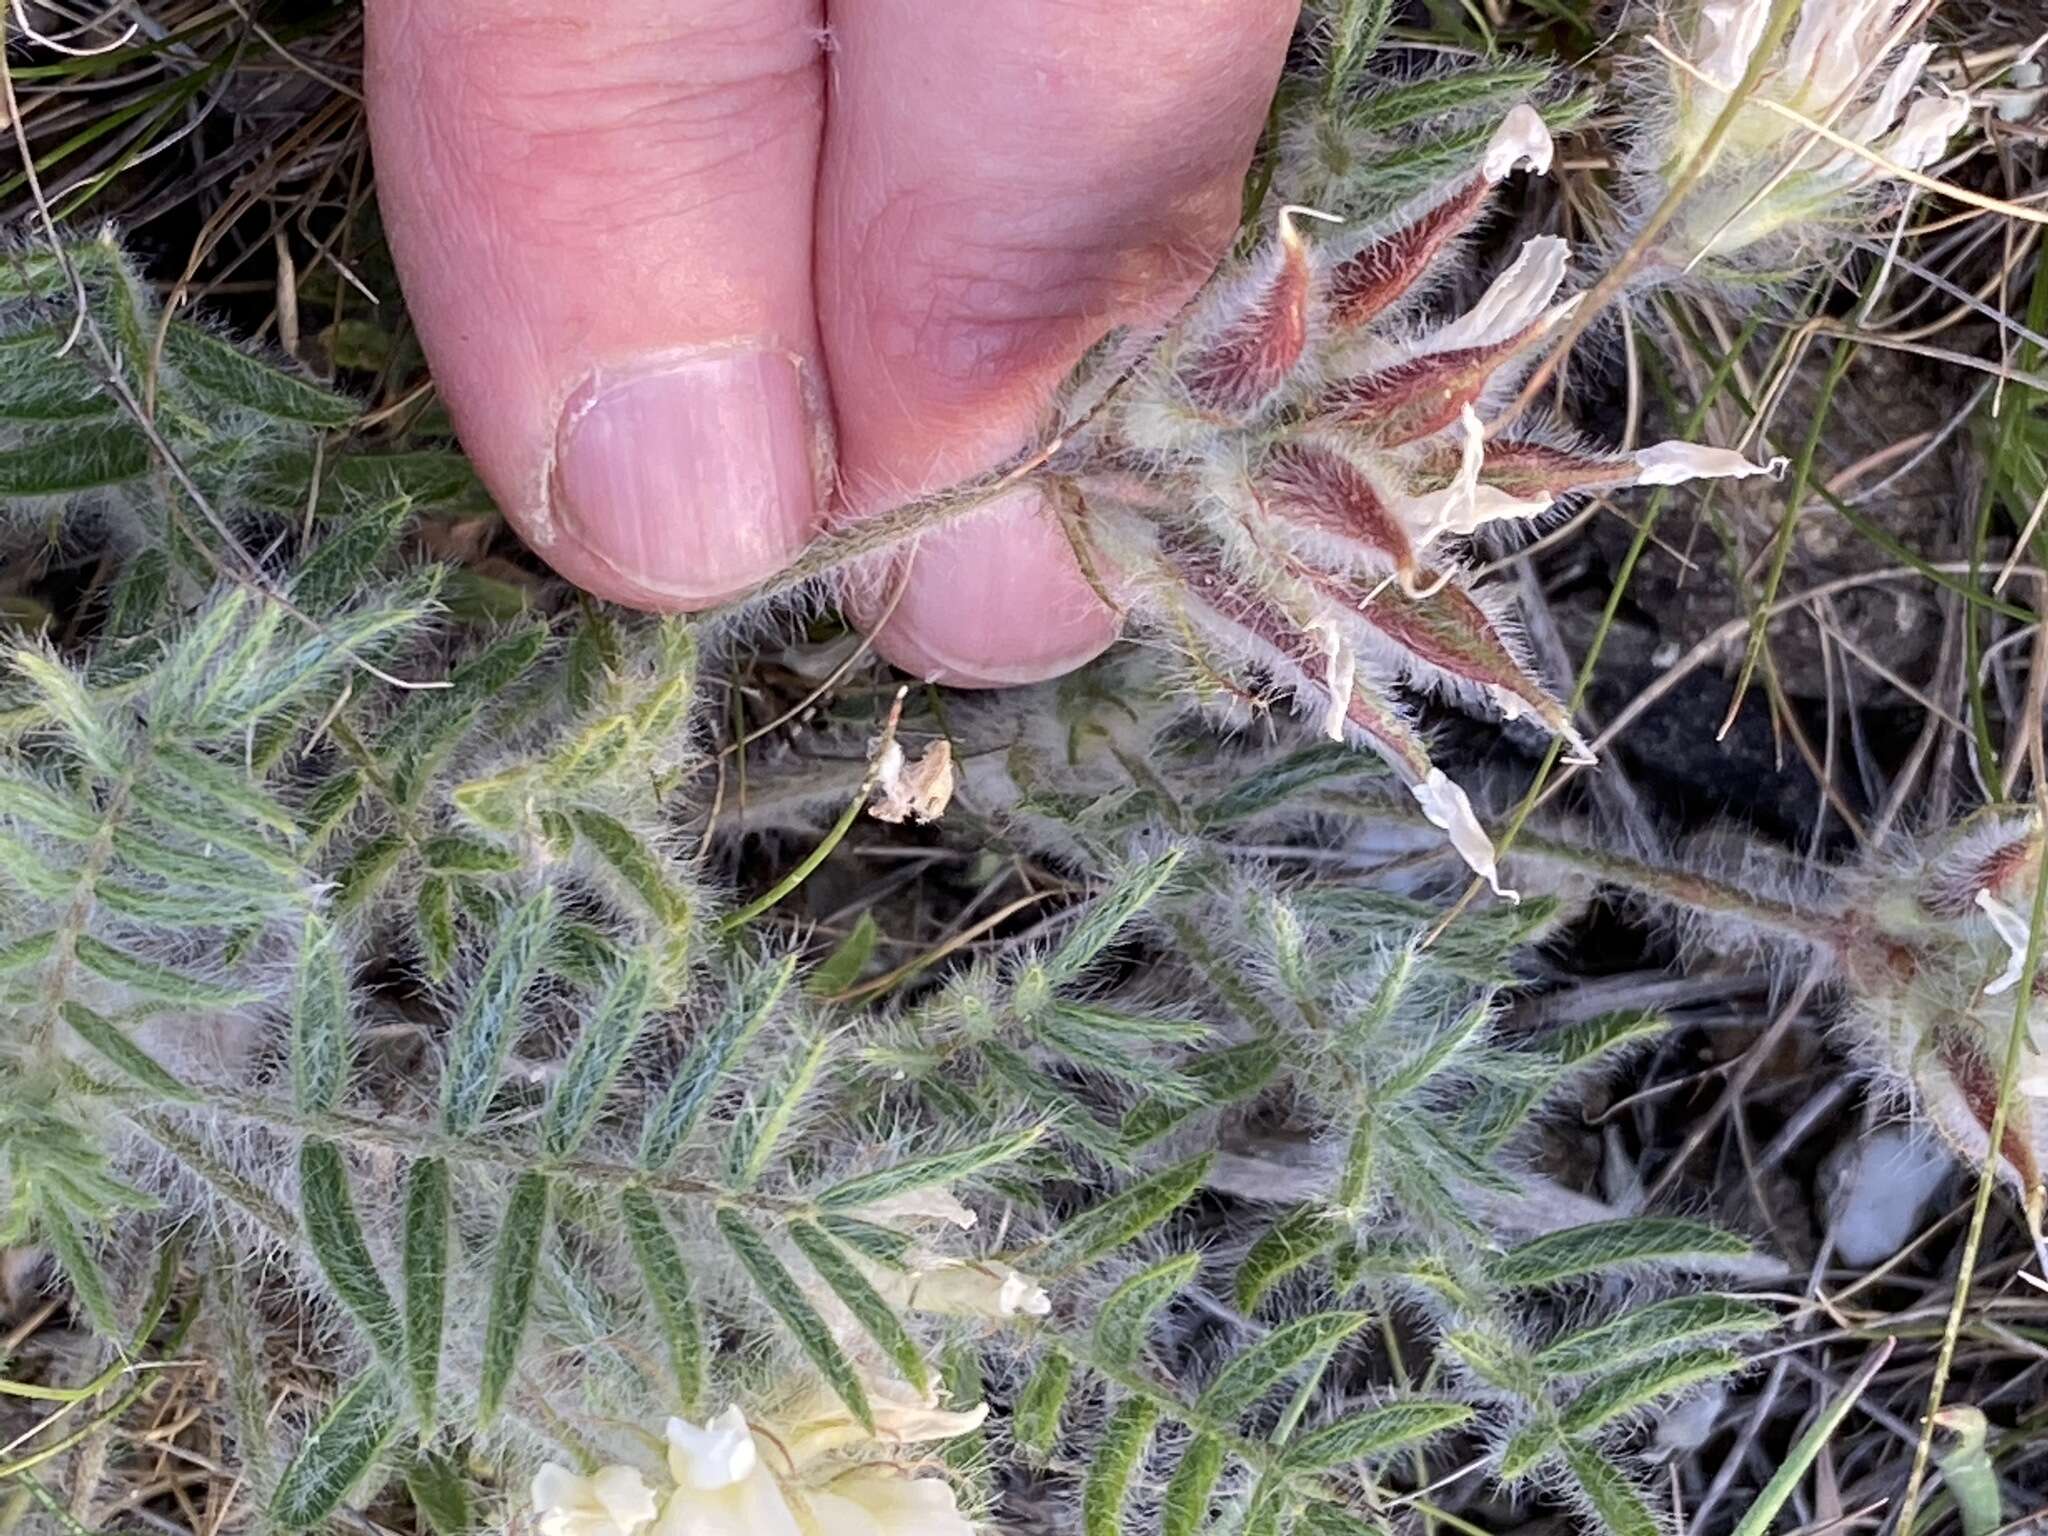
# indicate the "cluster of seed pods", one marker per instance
pixel 1931 953
pixel 1289 482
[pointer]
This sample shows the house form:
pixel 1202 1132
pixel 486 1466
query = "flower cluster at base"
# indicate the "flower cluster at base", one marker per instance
pixel 1772 174
pixel 1933 950
pixel 1286 482
pixel 730 1479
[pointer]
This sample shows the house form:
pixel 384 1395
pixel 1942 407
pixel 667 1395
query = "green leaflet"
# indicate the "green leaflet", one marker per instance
pixel 1126 1317
pixel 669 1291
pixel 476 1051
pixel 597 1059
pixel 839 970
pixel 61 694
pixel 112 1042
pixel 674 1116
pixel 435 924
pixel 1035 1421
pixel 779 1289
pixel 764 1121
pixel 440 1492
pixel 1193 1485
pixel 336 1236
pixel 323 1039
pixel 1611 1495
pixel 41 382
pixel 1108 1482
pixel 81 1270
pixel 868 1306
pixel 514 1270
pixel 153 982
pixel 1653 1329
pixel 230 375
pixel 1217 1077
pixel 1256 1370
pixel 26 800
pixel 348 559
pixel 1122 1217
pixel 1531 1446
pixel 943 1168
pixel 228 789
pixel 425 1256
pixel 336 1455
pixel 1636 1387
pixel 1375 1432
pixel 1616 1244
pixel 1393 106
pixel 1109 914
pixel 1277 784
pixel 1578 1044
pixel 1300 1237
pixel 643 871
pixel 85 456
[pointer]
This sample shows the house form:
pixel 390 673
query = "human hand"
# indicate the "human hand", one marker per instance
pixel 698 276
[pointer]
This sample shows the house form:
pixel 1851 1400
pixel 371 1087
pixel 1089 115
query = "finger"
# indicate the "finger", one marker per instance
pixel 1002 183
pixel 603 218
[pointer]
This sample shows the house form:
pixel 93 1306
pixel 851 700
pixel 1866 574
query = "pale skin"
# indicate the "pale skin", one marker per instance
pixel 700 279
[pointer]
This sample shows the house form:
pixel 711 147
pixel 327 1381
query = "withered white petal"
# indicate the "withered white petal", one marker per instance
pixel 1340 674
pixel 934 1203
pixel 1447 807
pixel 1465 504
pixel 1923 137
pixel 1836 42
pixel 614 1501
pixel 1674 463
pixel 1728 35
pixel 978 1288
pixel 1875 120
pixel 2015 930
pixel 1520 141
pixel 1515 301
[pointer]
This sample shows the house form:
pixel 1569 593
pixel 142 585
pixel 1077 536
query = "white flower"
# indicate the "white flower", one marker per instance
pixel 1520 141
pixel 1674 463
pixel 722 1486
pixel 1515 300
pixel 875 1501
pixel 1447 807
pixel 615 1501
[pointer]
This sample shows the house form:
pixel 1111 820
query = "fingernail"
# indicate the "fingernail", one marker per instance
pixel 694 480
pixel 995 601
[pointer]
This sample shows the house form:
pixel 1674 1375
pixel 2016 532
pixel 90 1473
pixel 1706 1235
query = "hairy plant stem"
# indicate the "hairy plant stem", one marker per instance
pixel 1831 933
pixel 63 960
pixel 415 1142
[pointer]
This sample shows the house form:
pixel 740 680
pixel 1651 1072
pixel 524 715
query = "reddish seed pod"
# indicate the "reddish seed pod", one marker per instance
pixel 1245 362
pixel 1360 287
pixel 1533 471
pixel 1260 627
pixel 1422 396
pixel 1313 487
